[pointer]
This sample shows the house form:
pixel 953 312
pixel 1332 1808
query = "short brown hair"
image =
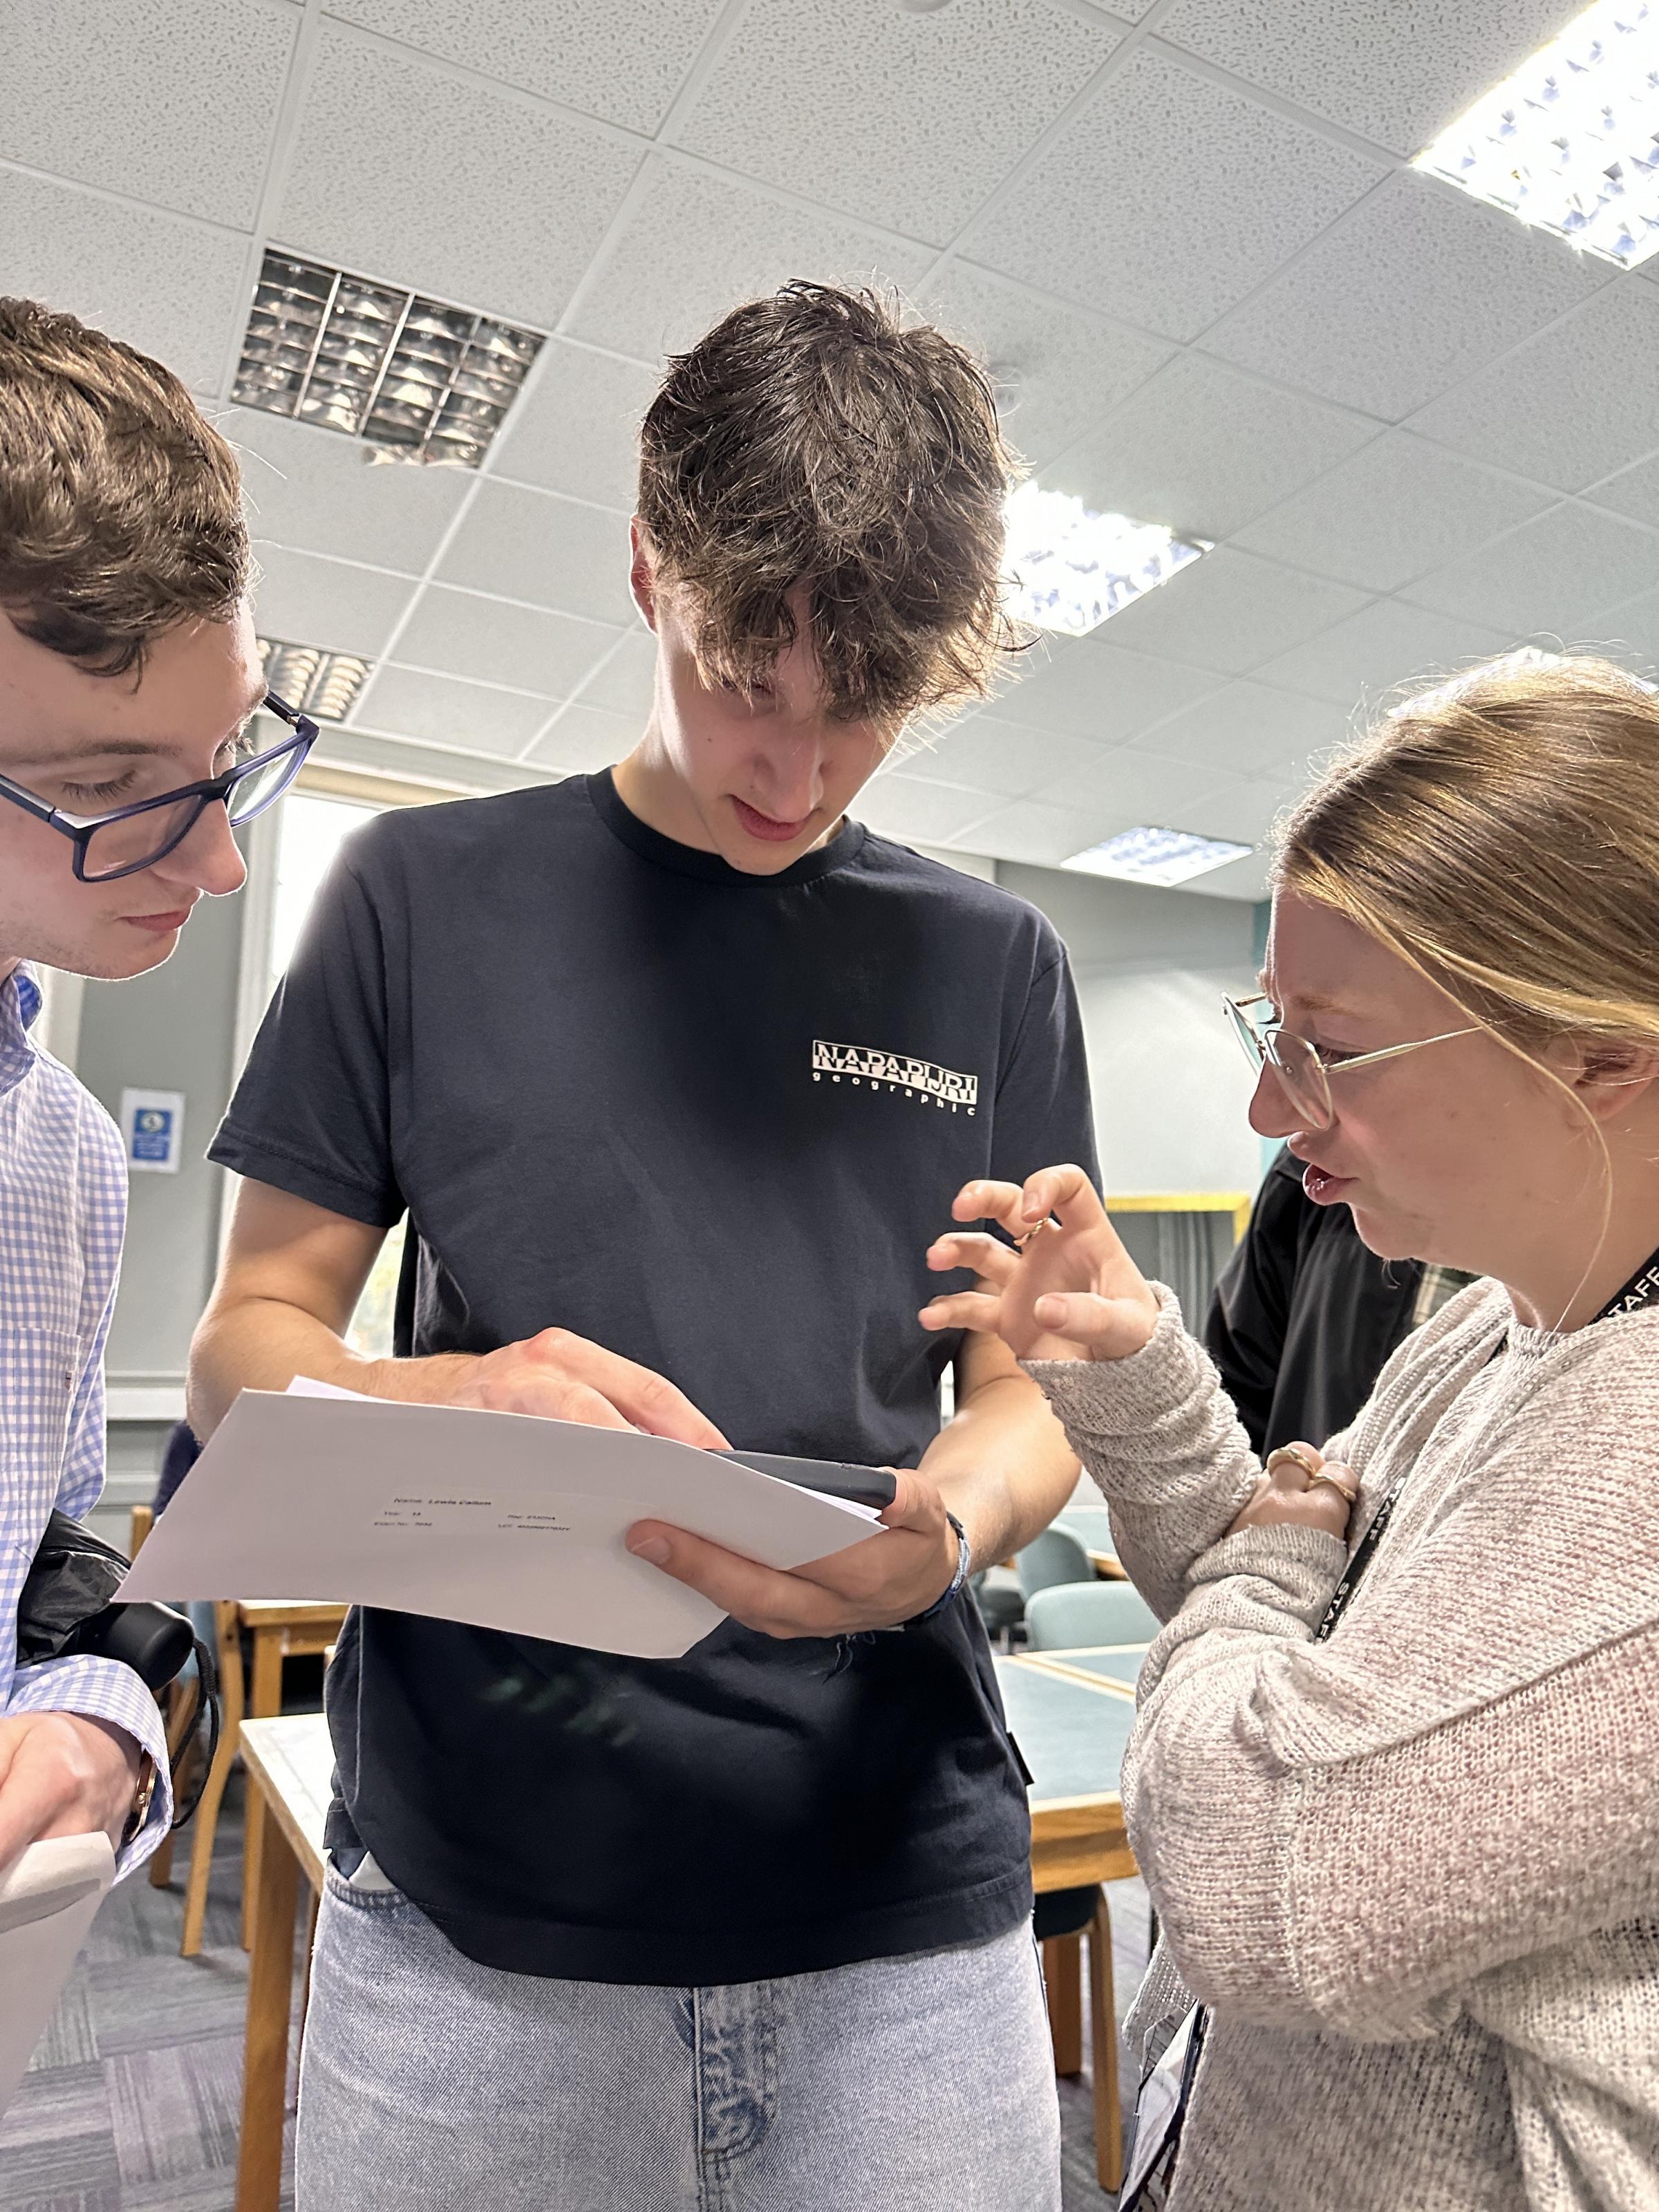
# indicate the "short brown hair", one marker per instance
pixel 120 507
pixel 811 439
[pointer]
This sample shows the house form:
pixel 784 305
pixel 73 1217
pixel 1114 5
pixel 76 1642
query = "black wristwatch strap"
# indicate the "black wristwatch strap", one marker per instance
pixel 949 1597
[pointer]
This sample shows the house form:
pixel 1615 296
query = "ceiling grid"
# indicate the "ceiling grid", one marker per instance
pixel 1268 324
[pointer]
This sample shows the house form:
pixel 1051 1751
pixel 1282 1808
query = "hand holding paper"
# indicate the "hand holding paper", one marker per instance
pixel 502 1520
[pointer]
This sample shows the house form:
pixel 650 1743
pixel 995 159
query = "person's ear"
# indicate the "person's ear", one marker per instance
pixel 1610 1075
pixel 642 572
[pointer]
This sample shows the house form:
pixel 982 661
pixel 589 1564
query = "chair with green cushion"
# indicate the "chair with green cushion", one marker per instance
pixel 1069 1616
pixel 1054 1557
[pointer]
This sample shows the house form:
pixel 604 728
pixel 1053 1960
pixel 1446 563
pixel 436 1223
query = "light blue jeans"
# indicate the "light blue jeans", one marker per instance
pixel 897 2086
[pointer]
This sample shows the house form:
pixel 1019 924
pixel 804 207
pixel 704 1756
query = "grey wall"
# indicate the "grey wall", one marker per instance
pixel 1171 1088
pixel 173 1029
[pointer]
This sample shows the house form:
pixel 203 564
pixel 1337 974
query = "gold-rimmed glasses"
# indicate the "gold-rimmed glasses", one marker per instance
pixel 1300 1066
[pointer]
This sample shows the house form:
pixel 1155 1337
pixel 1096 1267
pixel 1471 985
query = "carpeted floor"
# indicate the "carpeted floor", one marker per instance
pixel 132 2101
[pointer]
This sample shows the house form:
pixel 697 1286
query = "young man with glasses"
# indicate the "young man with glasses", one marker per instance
pixel 129 678
pixel 672 1068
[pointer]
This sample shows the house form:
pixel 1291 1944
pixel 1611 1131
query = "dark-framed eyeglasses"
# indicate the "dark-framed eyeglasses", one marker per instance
pixel 1299 1065
pixel 132 838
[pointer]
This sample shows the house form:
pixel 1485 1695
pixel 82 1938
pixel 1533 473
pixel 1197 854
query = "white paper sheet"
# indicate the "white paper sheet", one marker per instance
pixel 47 1901
pixel 500 1520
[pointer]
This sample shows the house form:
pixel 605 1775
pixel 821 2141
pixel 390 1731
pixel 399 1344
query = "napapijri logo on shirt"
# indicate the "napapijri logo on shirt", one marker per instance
pixel 861 1064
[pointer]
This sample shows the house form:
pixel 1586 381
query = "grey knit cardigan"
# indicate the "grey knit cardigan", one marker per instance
pixel 1413 1869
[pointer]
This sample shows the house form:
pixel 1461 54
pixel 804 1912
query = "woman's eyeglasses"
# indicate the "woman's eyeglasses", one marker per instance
pixel 1300 1067
pixel 132 838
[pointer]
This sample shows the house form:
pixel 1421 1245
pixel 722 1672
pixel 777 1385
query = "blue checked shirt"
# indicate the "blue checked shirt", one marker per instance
pixel 62 1210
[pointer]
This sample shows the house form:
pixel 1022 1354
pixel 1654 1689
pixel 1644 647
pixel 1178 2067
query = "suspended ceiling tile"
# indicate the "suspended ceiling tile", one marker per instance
pixel 1548 576
pixel 597 55
pixel 626 683
pixel 912 119
pixel 1633 491
pixel 1385 644
pixel 583 738
pixel 460 634
pixel 1245 879
pixel 694 246
pixel 1396 74
pixel 1168 200
pixel 321 493
pixel 1126 788
pixel 1231 612
pixel 1087 688
pixel 985 753
pixel 533 545
pixel 576 429
pixel 1246 729
pixel 305 599
pixel 1203 448
pixel 1393 511
pixel 163 285
pixel 1628 634
pixel 1027 831
pixel 441 710
pixel 1573 404
pixel 402 172
pixel 1245 810
pixel 1417 288
pixel 168 101
pixel 1057 371
pixel 904 807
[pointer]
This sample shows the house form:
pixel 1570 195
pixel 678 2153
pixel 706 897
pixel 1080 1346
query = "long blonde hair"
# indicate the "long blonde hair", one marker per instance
pixel 1501 832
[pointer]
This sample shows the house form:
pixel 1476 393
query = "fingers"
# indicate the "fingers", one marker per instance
pixel 980 1310
pixel 991 1201
pixel 989 1256
pixel 646 1400
pixel 760 1597
pixel 1066 1192
pixel 1107 1328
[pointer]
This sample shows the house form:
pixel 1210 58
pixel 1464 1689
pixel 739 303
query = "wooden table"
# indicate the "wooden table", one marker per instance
pixel 1070 1712
pixel 290 1772
pixel 278 1629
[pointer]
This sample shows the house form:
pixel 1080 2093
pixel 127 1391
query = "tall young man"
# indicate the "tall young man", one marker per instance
pixel 674 1068
pixel 128 669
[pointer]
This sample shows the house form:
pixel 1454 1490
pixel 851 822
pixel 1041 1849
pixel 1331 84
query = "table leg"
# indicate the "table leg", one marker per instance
pixel 1103 2006
pixel 265 1700
pixel 1062 1974
pixel 269 1997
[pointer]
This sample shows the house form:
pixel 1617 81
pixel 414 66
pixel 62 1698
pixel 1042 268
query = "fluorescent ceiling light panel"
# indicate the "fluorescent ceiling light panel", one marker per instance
pixel 417 380
pixel 1156 856
pixel 1069 569
pixel 1571 142
pixel 323 684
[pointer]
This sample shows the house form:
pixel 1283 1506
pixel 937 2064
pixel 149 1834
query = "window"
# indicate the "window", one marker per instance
pixel 313 829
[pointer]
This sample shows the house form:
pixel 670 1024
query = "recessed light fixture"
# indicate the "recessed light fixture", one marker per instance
pixel 324 684
pixel 419 380
pixel 1069 570
pixel 1571 142
pixel 1156 856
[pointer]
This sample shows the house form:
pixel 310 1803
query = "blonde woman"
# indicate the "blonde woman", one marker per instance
pixel 1410 1869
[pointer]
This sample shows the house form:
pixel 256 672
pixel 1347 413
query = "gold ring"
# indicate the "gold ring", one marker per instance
pixel 1036 1230
pixel 1340 1488
pixel 1300 1458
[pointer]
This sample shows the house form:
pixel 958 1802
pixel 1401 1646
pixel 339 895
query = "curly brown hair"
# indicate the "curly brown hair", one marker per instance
pixel 812 440
pixel 120 505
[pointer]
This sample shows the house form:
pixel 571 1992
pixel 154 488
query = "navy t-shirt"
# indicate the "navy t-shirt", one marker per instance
pixel 711 1121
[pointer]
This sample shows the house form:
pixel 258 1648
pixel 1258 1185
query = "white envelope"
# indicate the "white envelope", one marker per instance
pixel 47 1900
pixel 501 1520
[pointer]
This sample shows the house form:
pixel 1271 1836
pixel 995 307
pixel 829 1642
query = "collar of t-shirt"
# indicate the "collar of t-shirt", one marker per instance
pixel 650 844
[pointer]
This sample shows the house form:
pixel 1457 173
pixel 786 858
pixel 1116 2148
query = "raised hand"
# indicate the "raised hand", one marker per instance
pixel 1067 1291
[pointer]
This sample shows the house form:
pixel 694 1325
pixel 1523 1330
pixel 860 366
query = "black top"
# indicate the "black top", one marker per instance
pixel 1305 1316
pixel 712 1120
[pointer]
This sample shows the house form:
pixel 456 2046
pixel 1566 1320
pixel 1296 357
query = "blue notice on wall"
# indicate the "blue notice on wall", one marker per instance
pixel 152 1128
